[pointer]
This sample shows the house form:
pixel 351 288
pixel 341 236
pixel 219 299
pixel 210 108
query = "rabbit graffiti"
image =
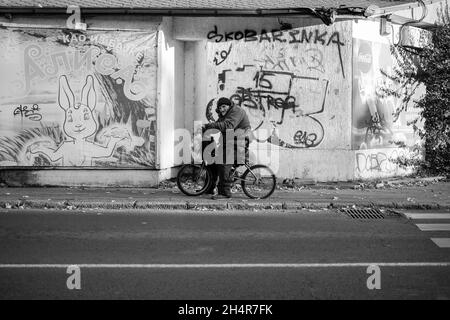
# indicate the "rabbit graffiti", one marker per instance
pixel 79 125
pixel 81 103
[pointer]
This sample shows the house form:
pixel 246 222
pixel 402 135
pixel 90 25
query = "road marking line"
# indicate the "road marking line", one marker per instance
pixel 428 215
pixel 229 265
pixel 434 226
pixel 442 242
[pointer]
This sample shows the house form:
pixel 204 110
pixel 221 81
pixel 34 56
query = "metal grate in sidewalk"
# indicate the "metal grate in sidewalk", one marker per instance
pixel 371 213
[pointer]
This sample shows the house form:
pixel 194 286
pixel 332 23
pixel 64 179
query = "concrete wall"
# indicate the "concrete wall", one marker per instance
pixel 286 70
pixel 71 177
pixel 374 129
pixel 171 95
pixel 297 86
pixel 309 77
pixel 74 173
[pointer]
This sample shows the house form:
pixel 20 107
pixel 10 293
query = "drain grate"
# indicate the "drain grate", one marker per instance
pixel 371 213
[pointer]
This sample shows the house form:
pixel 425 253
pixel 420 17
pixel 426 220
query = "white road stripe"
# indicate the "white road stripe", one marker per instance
pixel 229 265
pixel 442 242
pixel 434 226
pixel 428 215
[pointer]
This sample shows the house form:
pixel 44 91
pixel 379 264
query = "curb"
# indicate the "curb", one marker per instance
pixel 198 206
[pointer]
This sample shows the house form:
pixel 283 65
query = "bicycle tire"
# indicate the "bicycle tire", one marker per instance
pixel 269 177
pixel 198 187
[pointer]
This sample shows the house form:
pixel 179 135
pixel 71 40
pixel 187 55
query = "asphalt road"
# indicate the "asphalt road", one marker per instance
pixel 218 255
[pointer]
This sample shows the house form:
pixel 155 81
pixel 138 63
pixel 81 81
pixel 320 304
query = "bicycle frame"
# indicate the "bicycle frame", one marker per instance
pixel 238 177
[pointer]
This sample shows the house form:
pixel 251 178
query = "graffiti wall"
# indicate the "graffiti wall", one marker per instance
pixel 374 123
pixel 378 163
pixel 77 99
pixel 292 83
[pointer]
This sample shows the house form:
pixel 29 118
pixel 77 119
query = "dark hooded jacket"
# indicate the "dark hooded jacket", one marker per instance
pixel 235 119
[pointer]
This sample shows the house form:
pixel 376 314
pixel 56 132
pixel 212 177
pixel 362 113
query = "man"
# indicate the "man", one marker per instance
pixel 235 130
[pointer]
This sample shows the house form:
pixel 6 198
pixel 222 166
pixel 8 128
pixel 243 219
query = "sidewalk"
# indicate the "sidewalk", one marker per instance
pixel 400 194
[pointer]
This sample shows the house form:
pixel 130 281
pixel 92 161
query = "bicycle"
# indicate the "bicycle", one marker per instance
pixel 258 181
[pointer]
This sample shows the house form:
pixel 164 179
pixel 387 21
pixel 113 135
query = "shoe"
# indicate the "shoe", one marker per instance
pixel 211 191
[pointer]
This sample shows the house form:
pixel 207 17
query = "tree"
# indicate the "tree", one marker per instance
pixel 430 67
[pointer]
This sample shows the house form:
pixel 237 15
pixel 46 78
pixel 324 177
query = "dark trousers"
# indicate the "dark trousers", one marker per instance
pixel 222 173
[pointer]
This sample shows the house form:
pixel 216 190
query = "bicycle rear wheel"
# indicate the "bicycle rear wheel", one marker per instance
pixel 258 182
pixel 193 179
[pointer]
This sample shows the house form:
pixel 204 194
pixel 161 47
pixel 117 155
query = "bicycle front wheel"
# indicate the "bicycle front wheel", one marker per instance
pixel 258 182
pixel 193 179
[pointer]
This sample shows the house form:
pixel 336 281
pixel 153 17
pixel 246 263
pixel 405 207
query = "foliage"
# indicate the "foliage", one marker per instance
pixel 428 66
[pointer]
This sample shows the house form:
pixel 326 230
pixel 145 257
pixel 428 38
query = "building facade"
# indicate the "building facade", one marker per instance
pixel 109 102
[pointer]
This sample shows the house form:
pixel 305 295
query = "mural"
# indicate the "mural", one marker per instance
pixel 281 78
pixel 77 99
pixel 374 124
